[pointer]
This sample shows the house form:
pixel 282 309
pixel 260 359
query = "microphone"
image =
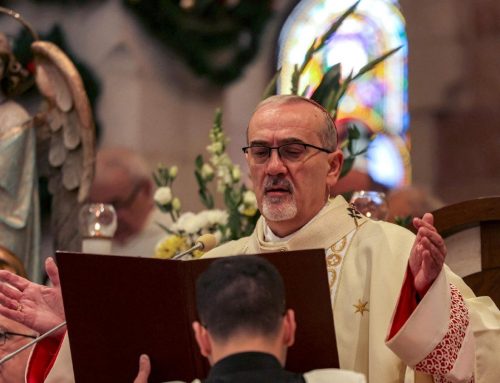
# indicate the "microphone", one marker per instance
pixel 205 242
pixel 14 353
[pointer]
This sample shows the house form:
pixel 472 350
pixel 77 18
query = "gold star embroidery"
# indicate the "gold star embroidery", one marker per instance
pixel 361 307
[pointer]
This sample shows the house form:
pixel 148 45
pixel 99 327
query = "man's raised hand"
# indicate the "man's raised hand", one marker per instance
pixel 427 254
pixel 36 306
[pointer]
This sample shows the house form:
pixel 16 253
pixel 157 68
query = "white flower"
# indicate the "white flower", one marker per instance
pixel 216 148
pixel 173 171
pixel 187 223
pixel 224 160
pixel 218 236
pixel 201 221
pixel 207 171
pixel 223 178
pixel 249 198
pixel 163 195
pixel 214 217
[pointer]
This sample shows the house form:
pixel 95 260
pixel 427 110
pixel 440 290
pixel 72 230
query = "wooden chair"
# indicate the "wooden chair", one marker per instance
pixel 471 230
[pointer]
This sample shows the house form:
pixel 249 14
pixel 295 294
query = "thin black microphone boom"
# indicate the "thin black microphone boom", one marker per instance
pixel 14 353
pixel 205 242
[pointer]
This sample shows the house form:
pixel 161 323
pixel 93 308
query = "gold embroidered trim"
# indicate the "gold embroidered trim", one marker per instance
pixel 339 245
pixel 333 277
pixel 333 259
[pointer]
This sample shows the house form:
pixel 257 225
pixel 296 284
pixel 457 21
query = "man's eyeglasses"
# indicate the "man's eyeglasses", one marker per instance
pixel 292 152
pixel 4 335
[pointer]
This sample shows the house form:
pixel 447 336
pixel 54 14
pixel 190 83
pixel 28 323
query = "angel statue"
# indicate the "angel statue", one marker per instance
pixel 58 143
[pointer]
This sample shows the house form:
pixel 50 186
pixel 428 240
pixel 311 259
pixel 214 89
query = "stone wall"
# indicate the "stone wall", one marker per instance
pixel 455 96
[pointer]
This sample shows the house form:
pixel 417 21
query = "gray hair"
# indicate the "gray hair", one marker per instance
pixel 328 135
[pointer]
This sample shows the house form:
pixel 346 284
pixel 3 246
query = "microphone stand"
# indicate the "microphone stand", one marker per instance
pixel 27 345
pixel 197 246
pixel 205 242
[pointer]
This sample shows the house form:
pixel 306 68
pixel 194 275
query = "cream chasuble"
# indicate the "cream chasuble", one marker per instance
pixel 367 263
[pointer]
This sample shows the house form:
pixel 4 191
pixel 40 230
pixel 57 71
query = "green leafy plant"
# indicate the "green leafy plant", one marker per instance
pixel 405 221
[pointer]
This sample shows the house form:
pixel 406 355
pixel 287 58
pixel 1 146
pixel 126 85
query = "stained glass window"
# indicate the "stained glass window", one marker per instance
pixel 378 100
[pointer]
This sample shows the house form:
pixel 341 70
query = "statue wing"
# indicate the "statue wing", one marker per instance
pixel 65 140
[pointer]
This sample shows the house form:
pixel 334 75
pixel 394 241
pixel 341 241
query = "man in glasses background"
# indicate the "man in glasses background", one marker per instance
pixel 14 335
pixel 123 179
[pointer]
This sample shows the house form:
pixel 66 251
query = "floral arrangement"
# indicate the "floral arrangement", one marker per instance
pixel 237 220
pixel 240 215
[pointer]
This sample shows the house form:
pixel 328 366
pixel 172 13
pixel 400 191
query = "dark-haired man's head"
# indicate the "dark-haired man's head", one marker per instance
pixel 241 306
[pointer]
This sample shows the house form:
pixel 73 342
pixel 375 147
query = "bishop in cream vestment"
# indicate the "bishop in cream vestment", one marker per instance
pixel 367 262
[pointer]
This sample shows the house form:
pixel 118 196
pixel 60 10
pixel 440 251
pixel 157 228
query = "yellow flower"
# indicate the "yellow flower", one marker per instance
pixel 173 171
pixel 236 173
pixel 198 253
pixel 249 211
pixel 176 204
pixel 169 246
pixel 207 172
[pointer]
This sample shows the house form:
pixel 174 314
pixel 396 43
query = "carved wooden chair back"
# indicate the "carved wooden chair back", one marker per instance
pixel 471 230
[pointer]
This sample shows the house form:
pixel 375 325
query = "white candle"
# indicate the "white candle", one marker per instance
pixel 96 245
pixel 97 226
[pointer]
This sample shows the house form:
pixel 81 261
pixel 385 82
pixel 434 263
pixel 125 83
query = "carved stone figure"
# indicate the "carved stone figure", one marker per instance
pixel 58 143
pixel 19 220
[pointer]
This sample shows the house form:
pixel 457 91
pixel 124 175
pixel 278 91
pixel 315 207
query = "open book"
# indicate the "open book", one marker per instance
pixel 120 307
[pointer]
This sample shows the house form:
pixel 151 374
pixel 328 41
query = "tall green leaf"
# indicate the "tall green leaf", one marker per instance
pixel 329 83
pixel 368 67
pixel 333 106
pixel 271 86
pixel 294 89
pixel 333 28
pixel 319 42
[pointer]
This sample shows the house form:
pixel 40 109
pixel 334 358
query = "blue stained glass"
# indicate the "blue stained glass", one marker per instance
pixel 379 98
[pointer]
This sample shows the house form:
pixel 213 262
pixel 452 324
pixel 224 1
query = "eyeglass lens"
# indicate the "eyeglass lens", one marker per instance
pixel 292 152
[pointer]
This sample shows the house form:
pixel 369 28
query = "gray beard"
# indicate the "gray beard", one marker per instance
pixel 278 208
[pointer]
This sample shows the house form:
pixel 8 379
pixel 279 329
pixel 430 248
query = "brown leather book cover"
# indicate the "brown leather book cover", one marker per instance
pixel 120 307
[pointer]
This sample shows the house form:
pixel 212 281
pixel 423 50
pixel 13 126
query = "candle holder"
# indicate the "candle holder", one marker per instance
pixel 371 203
pixel 97 222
